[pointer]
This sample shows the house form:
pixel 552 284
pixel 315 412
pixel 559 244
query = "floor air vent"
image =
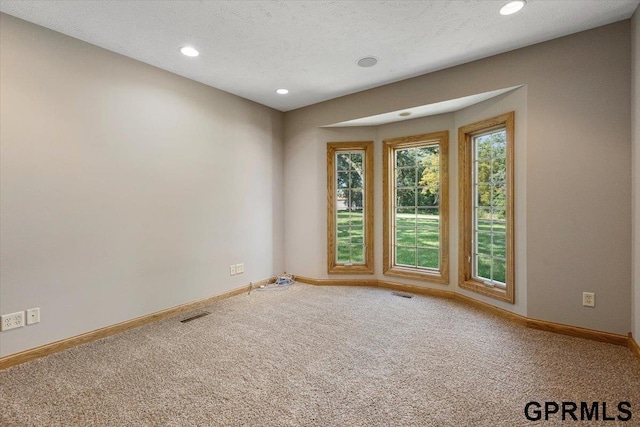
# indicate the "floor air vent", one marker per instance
pixel 398 294
pixel 195 316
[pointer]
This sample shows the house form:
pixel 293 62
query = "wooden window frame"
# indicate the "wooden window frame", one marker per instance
pixel 440 275
pixel 465 160
pixel 333 266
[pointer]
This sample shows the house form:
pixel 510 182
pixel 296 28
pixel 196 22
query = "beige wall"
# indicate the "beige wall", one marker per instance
pixel 514 101
pixel 635 113
pixel 578 168
pixel 125 189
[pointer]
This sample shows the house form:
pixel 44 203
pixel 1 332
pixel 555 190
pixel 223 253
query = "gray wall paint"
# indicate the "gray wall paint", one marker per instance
pixel 578 173
pixel 635 112
pixel 514 101
pixel 125 189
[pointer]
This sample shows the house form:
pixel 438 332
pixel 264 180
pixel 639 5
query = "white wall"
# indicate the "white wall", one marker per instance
pixel 125 189
pixel 578 169
pixel 635 123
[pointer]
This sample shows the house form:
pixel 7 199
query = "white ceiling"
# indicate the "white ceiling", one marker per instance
pixel 252 48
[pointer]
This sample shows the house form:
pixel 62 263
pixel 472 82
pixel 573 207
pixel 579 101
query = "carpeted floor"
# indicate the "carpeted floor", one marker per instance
pixel 321 356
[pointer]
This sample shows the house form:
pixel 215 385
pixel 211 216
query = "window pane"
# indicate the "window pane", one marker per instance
pixel 417 184
pixel 429 171
pixel 357 254
pixel 415 190
pixel 498 269
pixel 406 197
pixel 498 170
pixel 356 219
pixel 483 195
pixel 499 245
pixel 406 256
pixel 404 213
pixel 499 144
pixel 343 179
pixel 342 162
pixel 349 233
pixel 484 267
pixel 432 151
pixel 406 236
pixel 341 201
pixel 428 237
pixel 428 198
pixel 343 254
pixel 498 214
pixel 428 224
pixel 489 176
pixel 405 157
pixel 430 215
pixel 498 225
pixel 355 180
pixel 482 223
pixel 356 161
pixel 357 236
pixel 483 171
pixel 343 236
pixel 406 220
pixel 498 196
pixel 483 147
pixel 406 177
pixel 483 243
pixel 355 200
pixel 428 258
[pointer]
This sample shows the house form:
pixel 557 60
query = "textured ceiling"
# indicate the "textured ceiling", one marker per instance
pixel 252 48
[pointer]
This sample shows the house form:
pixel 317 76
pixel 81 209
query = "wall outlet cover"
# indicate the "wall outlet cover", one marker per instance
pixel 12 321
pixel 33 316
pixel 588 299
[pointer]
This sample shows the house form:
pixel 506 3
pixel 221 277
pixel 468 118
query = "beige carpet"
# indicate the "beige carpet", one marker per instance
pixel 320 356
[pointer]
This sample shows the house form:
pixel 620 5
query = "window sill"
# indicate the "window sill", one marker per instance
pixel 490 291
pixel 410 273
pixel 351 269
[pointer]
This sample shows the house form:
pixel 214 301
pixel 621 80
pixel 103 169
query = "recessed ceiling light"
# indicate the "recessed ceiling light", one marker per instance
pixel 282 91
pixel 189 51
pixel 367 61
pixel 405 114
pixel 512 7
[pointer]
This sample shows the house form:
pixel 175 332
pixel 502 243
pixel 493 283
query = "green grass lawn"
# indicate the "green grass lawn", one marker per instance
pixel 350 237
pixel 418 242
pixel 488 241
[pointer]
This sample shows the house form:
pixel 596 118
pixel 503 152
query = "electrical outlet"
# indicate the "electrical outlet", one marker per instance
pixel 232 270
pixel 589 299
pixel 33 316
pixel 12 321
pixel 240 268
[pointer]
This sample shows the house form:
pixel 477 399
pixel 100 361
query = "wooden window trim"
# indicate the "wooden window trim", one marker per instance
pixel 389 268
pixel 465 135
pixel 333 266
